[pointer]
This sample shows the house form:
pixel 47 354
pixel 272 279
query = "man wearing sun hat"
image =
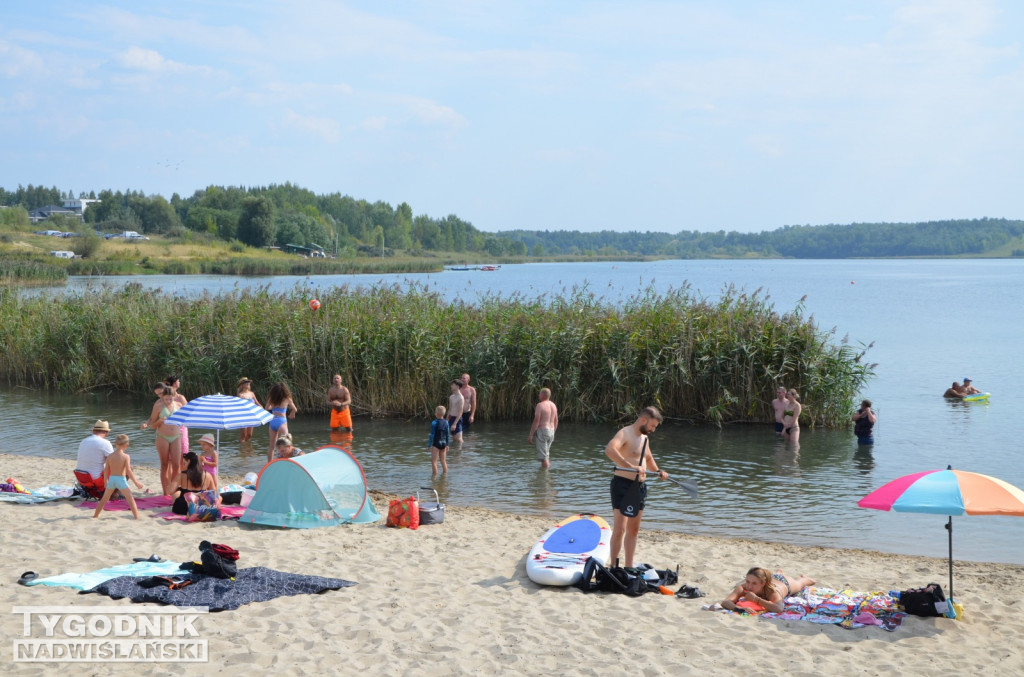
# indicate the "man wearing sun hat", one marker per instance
pixel 968 388
pixel 94 449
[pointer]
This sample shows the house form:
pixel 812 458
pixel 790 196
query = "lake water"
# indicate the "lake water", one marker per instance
pixel 932 322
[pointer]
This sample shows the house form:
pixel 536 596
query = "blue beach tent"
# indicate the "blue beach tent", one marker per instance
pixel 321 489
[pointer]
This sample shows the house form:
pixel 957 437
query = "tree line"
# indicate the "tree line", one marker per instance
pixel 279 215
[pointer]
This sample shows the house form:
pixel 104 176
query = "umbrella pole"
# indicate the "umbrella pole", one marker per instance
pixel 949 528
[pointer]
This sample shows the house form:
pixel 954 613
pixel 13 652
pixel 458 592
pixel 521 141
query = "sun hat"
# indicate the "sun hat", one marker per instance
pixel 243 380
pixel 101 425
pixel 209 439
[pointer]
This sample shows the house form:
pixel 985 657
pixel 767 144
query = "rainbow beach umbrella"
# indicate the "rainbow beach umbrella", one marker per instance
pixel 947 492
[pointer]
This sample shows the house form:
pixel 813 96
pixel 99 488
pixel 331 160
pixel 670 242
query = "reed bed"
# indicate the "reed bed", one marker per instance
pixel 28 272
pixel 705 360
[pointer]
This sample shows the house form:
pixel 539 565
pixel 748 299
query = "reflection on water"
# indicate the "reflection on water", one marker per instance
pixel 752 485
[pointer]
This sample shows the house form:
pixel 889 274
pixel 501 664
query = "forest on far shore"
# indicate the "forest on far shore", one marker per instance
pixel 279 215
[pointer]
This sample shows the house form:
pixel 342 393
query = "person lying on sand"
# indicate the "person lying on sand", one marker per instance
pixel 764 591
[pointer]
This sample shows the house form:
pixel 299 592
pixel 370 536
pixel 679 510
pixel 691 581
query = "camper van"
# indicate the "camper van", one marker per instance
pixel 63 254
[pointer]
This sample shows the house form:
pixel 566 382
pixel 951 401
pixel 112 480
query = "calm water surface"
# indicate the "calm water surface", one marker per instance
pixel 932 322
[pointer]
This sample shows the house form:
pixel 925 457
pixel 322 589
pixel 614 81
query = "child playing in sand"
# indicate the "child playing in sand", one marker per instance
pixel 439 440
pixel 118 470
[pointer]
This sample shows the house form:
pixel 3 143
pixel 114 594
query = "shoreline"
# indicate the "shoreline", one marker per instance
pixel 454 599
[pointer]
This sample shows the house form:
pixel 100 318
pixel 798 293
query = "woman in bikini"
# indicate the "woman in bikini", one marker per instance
pixel 174 381
pixel 279 403
pixel 791 417
pixel 168 439
pixel 764 591
pixel 245 392
pixel 192 480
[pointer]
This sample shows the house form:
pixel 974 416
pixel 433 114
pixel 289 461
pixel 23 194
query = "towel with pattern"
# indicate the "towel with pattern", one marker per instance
pixel 845 608
pixel 255 584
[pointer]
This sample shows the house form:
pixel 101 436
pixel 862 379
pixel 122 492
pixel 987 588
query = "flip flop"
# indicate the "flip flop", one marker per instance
pixel 151 558
pixel 689 592
pixel 27 577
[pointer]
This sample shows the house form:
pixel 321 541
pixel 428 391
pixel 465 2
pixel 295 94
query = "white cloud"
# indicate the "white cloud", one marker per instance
pixel 151 61
pixel 327 129
pixel 17 61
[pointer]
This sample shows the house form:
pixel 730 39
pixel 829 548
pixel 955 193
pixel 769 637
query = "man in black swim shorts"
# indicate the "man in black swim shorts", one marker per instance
pixel 626 450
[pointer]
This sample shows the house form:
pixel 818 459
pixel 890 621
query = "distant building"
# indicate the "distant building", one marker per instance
pixel 79 204
pixel 43 213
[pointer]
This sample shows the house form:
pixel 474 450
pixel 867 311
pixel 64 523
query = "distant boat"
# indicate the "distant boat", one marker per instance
pixel 462 268
pixel 489 267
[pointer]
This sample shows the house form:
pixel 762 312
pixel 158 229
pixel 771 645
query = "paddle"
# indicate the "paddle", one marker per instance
pixel 687 486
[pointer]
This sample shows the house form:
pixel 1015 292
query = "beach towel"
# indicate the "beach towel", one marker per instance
pixel 846 608
pixel 142 502
pixel 53 492
pixel 255 584
pixel 94 578
pixel 227 512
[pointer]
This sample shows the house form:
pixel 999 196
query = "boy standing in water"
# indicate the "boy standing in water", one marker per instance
pixel 118 470
pixel 439 440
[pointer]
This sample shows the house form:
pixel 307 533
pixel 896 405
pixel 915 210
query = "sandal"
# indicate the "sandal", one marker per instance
pixel 151 558
pixel 689 592
pixel 28 577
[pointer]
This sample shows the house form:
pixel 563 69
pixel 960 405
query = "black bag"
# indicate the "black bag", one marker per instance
pixel 927 601
pixel 214 564
pixel 634 496
pixel 626 580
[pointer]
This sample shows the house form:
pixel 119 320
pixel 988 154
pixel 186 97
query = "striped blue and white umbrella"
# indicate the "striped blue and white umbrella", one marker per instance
pixel 220 412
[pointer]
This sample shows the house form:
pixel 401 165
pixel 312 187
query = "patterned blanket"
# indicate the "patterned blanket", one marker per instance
pixel 845 608
pixel 255 584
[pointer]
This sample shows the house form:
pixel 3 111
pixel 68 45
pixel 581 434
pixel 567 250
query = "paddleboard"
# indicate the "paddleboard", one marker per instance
pixel 976 397
pixel 559 556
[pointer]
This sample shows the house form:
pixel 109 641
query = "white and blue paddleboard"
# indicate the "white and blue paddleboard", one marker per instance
pixel 561 553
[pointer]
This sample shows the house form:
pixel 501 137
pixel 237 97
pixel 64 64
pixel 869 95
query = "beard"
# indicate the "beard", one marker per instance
pixel 644 430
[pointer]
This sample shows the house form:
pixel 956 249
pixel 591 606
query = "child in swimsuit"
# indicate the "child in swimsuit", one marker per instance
pixel 209 457
pixel 118 470
pixel 439 440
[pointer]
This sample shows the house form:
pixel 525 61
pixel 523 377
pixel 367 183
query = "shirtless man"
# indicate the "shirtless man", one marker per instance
pixel 968 389
pixel 625 451
pixel 955 390
pixel 469 396
pixel 339 398
pixel 779 406
pixel 545 422
pixel 456 403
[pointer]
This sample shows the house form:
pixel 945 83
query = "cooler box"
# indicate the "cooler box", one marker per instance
pixel 430 512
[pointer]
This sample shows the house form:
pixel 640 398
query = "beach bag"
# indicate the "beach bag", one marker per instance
pixel 928 601
pixel 203 506
pixel 404 513
pixel 430 512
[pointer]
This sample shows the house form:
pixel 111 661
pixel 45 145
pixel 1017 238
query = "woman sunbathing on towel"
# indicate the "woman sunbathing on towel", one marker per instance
pixel 764 591
pixel 193 479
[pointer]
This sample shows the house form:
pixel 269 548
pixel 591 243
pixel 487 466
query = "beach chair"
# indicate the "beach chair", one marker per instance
pixel 89 487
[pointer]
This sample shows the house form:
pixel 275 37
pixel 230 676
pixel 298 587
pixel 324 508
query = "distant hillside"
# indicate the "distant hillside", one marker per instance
pixel 284 215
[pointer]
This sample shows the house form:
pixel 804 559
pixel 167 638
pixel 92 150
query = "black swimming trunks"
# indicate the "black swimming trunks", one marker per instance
pixel 619 487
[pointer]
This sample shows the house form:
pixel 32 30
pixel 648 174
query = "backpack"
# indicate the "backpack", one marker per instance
pixel 218 560
pixel 632 581
pixel 927 601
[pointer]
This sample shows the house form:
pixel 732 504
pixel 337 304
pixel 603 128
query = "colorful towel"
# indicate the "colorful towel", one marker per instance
pixel 845 608
pixel 255 584
pixel 227 512
pixel 54 492
pixel 94 578
pixel 142 502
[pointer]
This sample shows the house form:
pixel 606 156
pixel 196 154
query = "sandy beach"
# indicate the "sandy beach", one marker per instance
pixel 454 599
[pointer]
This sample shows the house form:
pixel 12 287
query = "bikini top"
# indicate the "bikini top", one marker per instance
pixel 788 412
pixel 165 412
pixel 278 410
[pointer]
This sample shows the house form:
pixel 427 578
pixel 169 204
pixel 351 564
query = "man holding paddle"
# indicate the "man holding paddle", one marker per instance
pixel 630 452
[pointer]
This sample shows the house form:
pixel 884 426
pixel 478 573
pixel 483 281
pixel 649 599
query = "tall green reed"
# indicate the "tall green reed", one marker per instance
pixel 699 359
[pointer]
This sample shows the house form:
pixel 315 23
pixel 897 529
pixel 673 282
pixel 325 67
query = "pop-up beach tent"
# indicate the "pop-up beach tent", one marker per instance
pixel 321 489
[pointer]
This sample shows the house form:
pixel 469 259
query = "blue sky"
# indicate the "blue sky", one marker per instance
pixel 665 116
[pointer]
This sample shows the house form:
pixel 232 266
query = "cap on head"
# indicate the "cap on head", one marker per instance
pixel 101 425
pixel 967 380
